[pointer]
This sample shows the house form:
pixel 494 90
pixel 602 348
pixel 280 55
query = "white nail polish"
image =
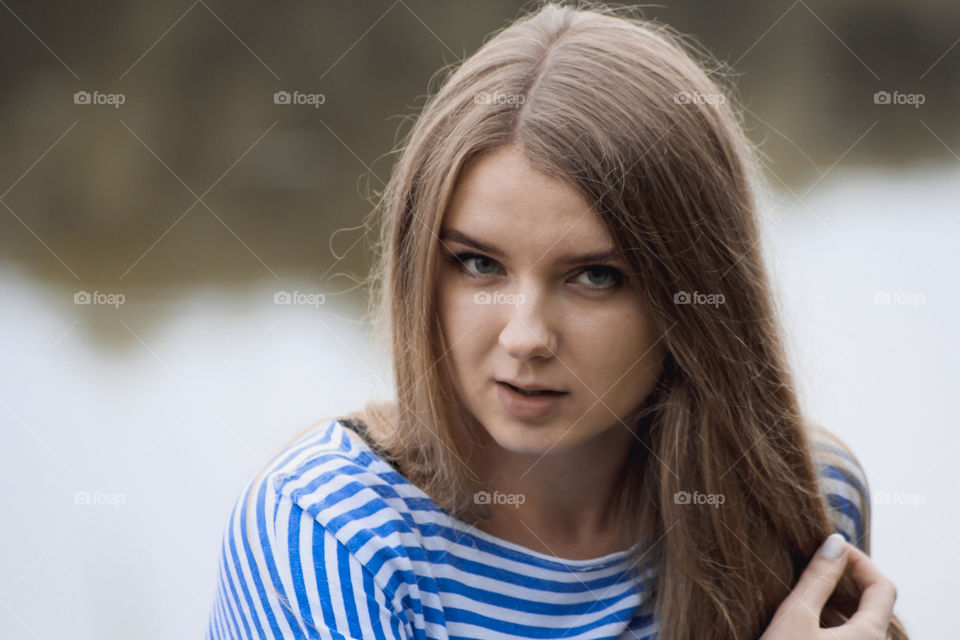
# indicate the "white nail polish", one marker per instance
pixel 832 546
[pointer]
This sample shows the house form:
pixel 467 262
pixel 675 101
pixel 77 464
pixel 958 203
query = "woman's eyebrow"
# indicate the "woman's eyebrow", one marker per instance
pixel 600 255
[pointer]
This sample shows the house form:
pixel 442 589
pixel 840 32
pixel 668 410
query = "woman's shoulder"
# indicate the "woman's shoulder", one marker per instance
pixel 297 553
pixel 324 472
pixel 843 483
pixel 334 481
pixel 322 444
pixel 329 464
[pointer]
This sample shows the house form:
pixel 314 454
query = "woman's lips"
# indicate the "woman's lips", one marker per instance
pixel 524 407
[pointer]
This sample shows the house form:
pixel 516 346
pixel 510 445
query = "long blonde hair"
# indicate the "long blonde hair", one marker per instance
pixel 641 123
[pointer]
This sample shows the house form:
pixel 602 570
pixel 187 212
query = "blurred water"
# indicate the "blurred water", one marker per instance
pixel 883 374
pixel 157 436
pixel 127 432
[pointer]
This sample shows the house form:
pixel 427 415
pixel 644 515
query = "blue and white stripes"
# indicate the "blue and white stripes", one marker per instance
pixel 331 542
pixel 843 484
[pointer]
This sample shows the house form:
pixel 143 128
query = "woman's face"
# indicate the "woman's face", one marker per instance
pixel 523 309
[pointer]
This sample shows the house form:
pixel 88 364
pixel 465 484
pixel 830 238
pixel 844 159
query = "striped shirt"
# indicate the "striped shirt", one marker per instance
pixel 332 542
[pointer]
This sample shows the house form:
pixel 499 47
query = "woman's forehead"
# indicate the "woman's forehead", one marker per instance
pixel 501 200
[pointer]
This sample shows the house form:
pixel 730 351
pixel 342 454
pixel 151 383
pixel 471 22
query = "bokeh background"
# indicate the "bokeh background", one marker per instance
pixel 155 199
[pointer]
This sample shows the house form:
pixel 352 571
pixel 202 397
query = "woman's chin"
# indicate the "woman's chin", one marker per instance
pixel 531 439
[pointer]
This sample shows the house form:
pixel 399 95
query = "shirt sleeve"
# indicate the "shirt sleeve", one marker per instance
pixel 843 484
pixel 283 575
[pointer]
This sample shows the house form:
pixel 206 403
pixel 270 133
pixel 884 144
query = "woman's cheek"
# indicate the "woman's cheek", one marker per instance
pixel 613 339
pixel 461 314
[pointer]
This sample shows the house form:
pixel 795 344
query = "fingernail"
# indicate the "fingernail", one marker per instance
pixel 832 547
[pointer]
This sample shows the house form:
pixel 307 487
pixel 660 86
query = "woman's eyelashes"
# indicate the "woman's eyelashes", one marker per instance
pixel 615 278
pixel 486 266
pixel 461 259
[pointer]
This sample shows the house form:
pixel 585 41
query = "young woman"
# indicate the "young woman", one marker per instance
pixel 596 433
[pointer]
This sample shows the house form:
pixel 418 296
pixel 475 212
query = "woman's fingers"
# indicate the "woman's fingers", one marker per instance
pixel 821 576
pixel 878 594
pixel 798 616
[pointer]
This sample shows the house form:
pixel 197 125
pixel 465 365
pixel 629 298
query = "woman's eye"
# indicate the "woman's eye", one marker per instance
pixel 484 265
pixel 600 277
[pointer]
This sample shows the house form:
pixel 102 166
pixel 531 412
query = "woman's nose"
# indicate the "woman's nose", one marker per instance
pixel 528 332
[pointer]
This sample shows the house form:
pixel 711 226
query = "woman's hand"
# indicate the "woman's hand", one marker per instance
pixel 798 616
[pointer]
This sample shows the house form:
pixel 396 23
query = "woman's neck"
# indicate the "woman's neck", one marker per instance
pixel 564 503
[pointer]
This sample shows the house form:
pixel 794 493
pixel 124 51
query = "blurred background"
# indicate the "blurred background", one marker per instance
pixel 184 189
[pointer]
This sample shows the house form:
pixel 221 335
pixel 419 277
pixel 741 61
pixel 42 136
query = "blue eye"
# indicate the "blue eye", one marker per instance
pixel 613 277
pixel 461 260
pixel 610 277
